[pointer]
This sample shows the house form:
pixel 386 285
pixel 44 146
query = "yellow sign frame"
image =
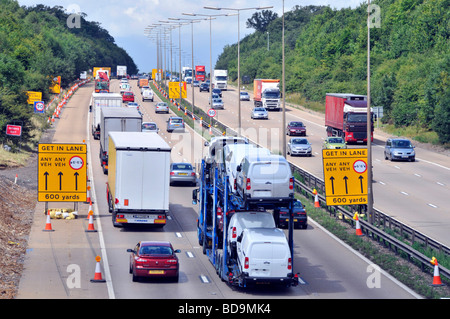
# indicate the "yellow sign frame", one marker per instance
pixel 62 172
pixel 345 176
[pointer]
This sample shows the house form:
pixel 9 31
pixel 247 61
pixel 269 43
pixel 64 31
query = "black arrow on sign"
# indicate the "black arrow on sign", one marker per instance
pixel 345 180
pixel 332 184
pixel 361 182
pixel 76 180
pixel 46 175
pixel 60 180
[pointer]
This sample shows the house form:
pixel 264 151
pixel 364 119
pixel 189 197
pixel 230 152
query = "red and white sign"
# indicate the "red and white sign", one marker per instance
pixel 211 112
pixel 14 130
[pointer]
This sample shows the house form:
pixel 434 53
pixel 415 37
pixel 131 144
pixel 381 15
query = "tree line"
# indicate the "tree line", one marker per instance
pixel 37 44
pixel 326 51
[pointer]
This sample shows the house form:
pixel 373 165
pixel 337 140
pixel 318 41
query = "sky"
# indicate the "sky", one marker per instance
pixel 126 20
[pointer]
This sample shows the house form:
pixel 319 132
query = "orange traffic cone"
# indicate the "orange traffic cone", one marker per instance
pixel 90 211
pixel 316 198
pixel 436 277
pixel 358 226
pixel 98 273
pixel 48 224
pixel 88 195
pixel 91 224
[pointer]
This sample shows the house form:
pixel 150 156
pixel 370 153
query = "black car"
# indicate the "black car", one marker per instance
pixel 300 217
pixel 204 87
pixel 217 91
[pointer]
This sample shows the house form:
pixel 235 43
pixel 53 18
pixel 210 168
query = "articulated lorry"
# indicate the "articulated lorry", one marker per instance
pixel 228 226
pixel 99 101
pixel 266 93
pixel 121 71
pixel 138 184
pixel 116 119
pixel 200 73
pixel 220 79
pixel 101 79
pixel 186 74
pixel 346 117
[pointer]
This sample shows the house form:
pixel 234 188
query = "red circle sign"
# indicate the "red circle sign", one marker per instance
pixel 211 112
pixel 360 166
pixel 76 163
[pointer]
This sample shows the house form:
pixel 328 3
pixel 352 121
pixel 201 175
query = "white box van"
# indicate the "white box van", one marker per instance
pixel 243 220
pixel 233 155
pixel 147 95
pixel 264 256
pixel 265 179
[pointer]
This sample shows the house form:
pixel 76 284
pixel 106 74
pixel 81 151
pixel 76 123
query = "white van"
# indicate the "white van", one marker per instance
pixel 264 256
pixel 217 144
pixel 265 179
pixel 233 155
pixel 147 95
pixel 242 220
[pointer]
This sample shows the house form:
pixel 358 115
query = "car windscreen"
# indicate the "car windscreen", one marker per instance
pixel 299 142
pixel 155 250
pixel 401 144
pixel 179 121
pixel 182 167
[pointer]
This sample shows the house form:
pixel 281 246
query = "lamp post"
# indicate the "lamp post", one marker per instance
pixel 179 44
pixel 284 92
pixel 210 17
pixel 191 21
pixel 238 10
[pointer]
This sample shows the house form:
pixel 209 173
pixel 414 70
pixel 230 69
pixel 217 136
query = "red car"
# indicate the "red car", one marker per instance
pixel 154 259
pixel 296 128
pixel 127 97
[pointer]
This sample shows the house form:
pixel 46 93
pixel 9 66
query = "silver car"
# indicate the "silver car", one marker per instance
pixel 244 96
pixel 182 173
pixel 259 113
pixel 175 123
pixel 149 127
pixel 161 107
pixel 299 146
pixel 217 104
pixel 399 149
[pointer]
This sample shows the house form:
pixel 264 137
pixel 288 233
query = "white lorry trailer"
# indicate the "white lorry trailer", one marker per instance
pixel 99 101
pixel 138 179
pixel 121 119
pixel 121 71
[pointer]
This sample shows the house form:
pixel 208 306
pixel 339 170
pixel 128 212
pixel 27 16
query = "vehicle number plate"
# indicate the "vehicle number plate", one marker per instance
pixel 182 173
pixel 156 272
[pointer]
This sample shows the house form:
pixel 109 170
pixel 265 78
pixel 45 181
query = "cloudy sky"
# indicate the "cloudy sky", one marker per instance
pixel 126 20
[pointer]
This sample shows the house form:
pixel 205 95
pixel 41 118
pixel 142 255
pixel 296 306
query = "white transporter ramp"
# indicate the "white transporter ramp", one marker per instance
pixel 138 179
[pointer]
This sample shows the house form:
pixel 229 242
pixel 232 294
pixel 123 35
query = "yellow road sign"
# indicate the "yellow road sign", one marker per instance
pixel 174 90
pixel 62 173
pixel 345 176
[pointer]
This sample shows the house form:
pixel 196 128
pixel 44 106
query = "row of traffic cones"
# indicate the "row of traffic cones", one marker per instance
pixel 48 224
pixel 98 274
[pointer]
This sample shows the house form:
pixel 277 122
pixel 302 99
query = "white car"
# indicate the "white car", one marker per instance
pixel 244 96
pixel 259 113
pixel 161 107
pixel 217 103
